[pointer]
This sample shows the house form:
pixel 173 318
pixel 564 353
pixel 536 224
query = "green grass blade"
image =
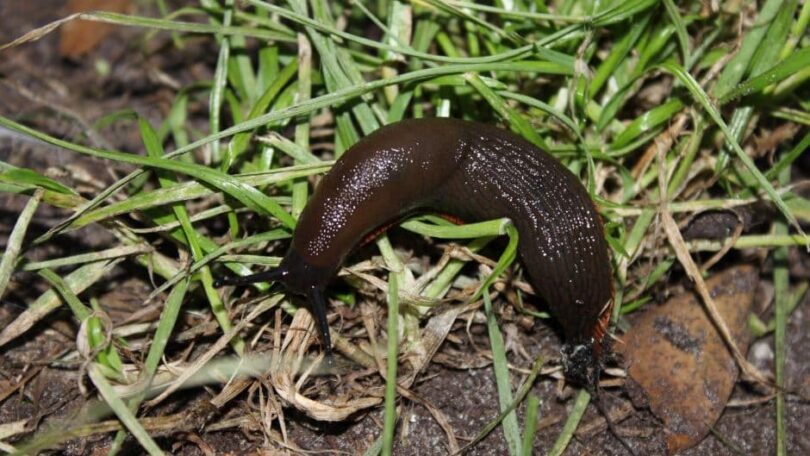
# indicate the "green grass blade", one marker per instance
pixel 192 238
pixel 418 225
pixel 518 123
pixel 249 196
pixel 108 254
pixel 736 69
pixel 80 311
pixel 622 11
pixel 781 285
pixel 680 29
pixel 15 240
pixel 787 159
pixel 530 425
pixel 618 53
pixel 703 99
pixel 220 80
pixel 30 178
pixel 499 363
pixel 390 420
pixel 647 122
pixel 574 417
pixel 791 65
pixel 122 412
pixel 240 141
pixel 507 258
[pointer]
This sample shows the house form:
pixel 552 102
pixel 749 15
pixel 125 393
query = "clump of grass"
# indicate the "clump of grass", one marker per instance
pixel 653 104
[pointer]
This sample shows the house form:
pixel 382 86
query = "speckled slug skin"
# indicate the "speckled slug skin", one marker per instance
pixel 475 172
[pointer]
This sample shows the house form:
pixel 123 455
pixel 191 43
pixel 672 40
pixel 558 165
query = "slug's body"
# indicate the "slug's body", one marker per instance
pixel 475 172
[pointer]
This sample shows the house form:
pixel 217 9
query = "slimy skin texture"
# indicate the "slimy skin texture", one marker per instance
pixel 474 172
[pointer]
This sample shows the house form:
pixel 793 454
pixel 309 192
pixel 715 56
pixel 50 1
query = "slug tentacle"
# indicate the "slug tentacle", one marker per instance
pixel 271 275
pixel 318 305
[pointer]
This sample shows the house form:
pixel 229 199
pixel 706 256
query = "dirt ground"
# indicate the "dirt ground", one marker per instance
pixel 57 96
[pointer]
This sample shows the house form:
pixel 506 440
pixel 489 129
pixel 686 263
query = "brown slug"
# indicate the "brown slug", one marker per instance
pixel 475 172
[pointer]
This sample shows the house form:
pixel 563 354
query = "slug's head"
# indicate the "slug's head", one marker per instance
pixel 300 278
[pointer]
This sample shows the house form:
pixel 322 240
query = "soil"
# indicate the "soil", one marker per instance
pixel 61 97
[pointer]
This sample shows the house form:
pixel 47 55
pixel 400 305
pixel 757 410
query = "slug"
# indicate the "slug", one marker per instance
pixel 474 172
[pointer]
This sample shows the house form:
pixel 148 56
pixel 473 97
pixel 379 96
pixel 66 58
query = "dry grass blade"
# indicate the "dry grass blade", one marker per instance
pixel 682 253
pixel 78 280
pixel 440 417
pixel 284 375
pixel 218 346
pixel 38 33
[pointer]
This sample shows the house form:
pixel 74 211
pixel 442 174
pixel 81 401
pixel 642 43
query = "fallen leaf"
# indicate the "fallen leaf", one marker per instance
pixel 77 38
pixel 677 363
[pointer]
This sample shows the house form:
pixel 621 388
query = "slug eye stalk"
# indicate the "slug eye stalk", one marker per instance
pixel 272 275
pixel 317 304
pixel 314 297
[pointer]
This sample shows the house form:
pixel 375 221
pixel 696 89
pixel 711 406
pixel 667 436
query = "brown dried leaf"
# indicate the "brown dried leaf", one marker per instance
pixel 678 364
pixel 77 38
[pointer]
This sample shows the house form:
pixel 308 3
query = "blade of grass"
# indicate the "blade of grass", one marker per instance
pixel 100 336
pixel 680 29
pixel 647 121
pixel 507 258
pixel 618 53
pixel 787 159
pixel 247 195
pixel 122 412
pixel 622 11
pixel 792 64
pixel 155 150
pixel 530 425
pixel 240 141
pixel 147 22
pixel 496 227
pixel 523 391
pixel 797 31
pixel 517 122
pixel 115 252
pixel 80 311
pixel 93 334
pixel 190 190
pixel 302 130
pixel 166 322
pixel 390 420
pixel 15 240
pixel 49 301
pixel 511 432
pixel 701 97
pixel 220 80
pixel 33 179
pixel 736 69
pixel 781 285
pixel 574 417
